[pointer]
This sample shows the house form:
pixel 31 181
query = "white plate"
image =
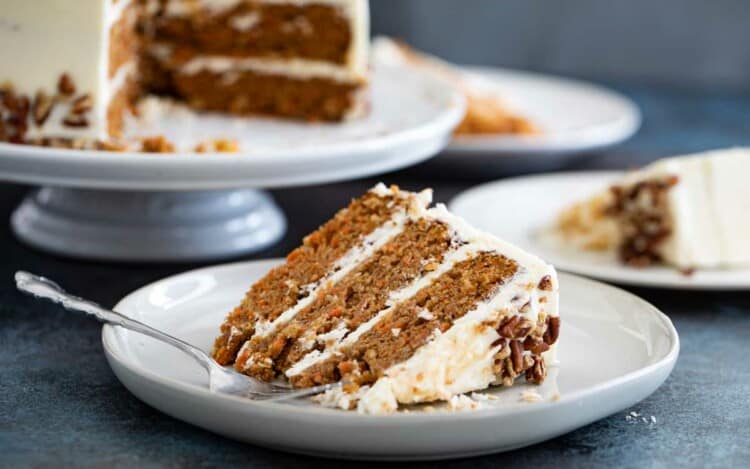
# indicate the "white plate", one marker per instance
pixel 518 210
pixel 615 349
pixel 412 117
pixel 575 117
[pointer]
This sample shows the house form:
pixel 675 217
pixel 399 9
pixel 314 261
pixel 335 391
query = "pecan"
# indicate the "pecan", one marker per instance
pixel 553 330
pixel 82 104
pixel 42 108
pixel 75 120
pixel 508 325
pixel 537 372
pixel 534 345
pixel 65 85
pixel 545 283
pixel 516 355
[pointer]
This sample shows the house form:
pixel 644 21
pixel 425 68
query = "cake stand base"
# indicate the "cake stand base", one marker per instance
pixel 148 226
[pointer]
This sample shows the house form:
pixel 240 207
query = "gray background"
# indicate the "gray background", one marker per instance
pixel 686 44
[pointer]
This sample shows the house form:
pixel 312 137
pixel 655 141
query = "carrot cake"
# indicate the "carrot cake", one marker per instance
pixel 486 113
pixel 688 211
pixel 404 303
pixel 76 68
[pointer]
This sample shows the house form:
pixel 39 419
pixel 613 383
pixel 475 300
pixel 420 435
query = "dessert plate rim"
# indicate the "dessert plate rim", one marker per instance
pixel 143 381
pixel 546 204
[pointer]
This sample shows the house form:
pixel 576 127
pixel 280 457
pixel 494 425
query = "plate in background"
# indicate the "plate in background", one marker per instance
pixel 615 349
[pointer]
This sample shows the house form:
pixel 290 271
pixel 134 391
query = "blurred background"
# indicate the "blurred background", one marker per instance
pixel 687 44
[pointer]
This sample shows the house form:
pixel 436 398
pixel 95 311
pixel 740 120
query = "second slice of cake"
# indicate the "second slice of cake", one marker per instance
pixel 405 303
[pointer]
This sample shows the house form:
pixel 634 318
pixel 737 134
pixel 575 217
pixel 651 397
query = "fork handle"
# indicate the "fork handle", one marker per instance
pixel 41 287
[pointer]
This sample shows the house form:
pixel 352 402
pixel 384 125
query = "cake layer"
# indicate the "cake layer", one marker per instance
pixel 351 301
pixel 247 92
pixel 316 31
pixel 331 250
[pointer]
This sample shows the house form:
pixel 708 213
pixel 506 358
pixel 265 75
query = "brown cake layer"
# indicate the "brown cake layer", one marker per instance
pixel 314 31
pixel 447 299
pixel 352 301
pixel 250 93
pixel 285 285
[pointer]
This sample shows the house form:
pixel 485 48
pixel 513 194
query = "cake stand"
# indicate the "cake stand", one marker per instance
pixel 194 207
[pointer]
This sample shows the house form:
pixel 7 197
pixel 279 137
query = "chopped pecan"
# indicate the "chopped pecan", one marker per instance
pixel 516 355
pixel 537 372
pixel 65 85
pixel 75 120
pixel 42 108
pixel 82 104
pixel 553 330
pixel 545 283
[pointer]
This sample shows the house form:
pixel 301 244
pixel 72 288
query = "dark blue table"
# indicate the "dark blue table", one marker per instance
pixel 60 405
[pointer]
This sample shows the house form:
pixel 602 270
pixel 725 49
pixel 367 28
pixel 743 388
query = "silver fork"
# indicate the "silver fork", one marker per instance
pixel 221 380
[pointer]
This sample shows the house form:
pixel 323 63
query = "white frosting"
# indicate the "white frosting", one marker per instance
pixel 53 37
pixel 300 69
pixel 380 400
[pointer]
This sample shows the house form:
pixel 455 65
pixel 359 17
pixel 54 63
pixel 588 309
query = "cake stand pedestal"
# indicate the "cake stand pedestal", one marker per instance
pixel 148 225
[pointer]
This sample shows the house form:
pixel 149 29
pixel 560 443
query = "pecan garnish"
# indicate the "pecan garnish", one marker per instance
pixel 82 104
pixel 545 283
pixel 65 85
pixel 516 355
pixel 537 372
pixel 42 108
pixel 553 330
pixel 75 120
pixel 534 345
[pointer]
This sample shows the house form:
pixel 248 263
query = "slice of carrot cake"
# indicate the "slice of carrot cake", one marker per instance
pixel 405 303
pixel 687 211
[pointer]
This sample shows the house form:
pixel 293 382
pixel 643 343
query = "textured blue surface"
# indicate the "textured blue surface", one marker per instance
pixel 60 405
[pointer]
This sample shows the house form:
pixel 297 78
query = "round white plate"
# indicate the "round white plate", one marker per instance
pixel 575 118
pixel 412 117
pixel 520 209
pixel 615 349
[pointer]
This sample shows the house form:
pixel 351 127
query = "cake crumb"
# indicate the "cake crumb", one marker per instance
pixel 530 395
pixel 218 145
pixel 463 402
pixel 156 144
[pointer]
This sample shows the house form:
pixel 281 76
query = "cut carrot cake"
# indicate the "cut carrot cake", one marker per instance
pixel 689 212
pixel 76 68
pixel 486 113
pixel 403 302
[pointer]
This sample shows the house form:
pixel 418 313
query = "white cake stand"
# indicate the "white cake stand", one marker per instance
pixel 182 206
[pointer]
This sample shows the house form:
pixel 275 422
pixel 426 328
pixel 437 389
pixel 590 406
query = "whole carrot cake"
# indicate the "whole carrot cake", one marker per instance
pixel 403 302
pixel 77 68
